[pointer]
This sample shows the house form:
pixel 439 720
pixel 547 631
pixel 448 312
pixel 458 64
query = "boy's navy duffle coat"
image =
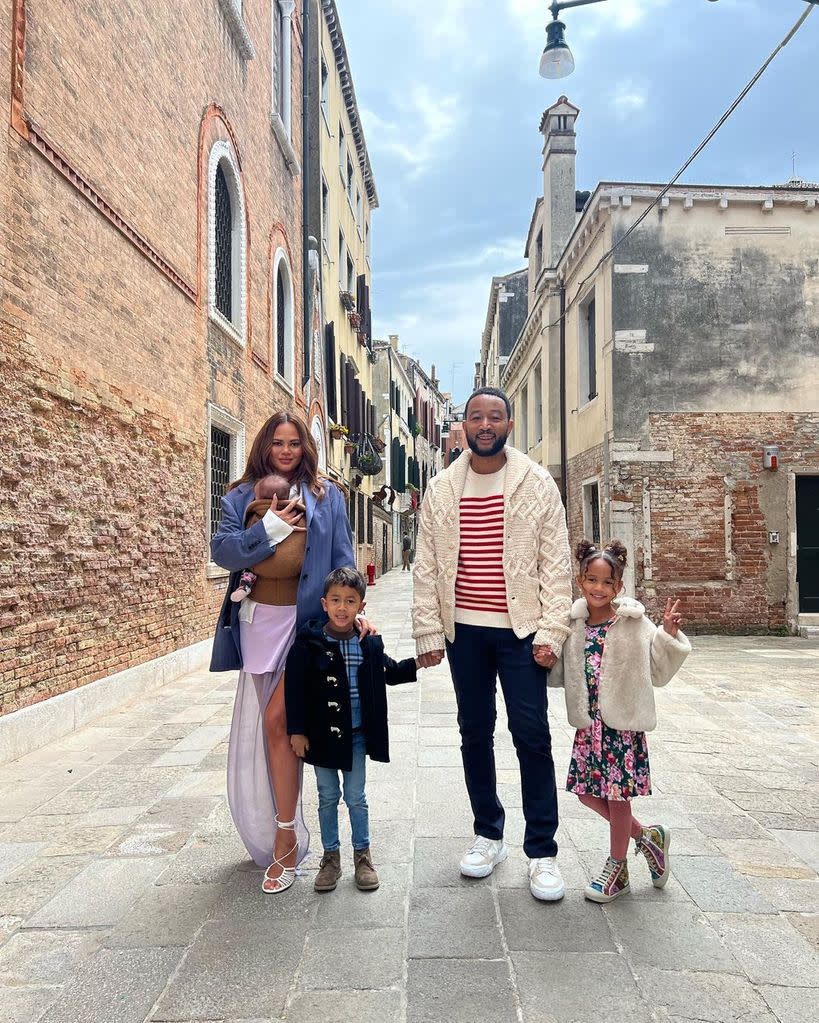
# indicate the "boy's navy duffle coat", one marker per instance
pixel 329 545
pixel 317 696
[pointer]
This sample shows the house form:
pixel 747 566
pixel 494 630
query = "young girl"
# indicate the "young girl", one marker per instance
pixel 611 660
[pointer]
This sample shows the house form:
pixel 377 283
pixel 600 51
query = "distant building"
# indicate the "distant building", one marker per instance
pixel 677 400
pixel 505 316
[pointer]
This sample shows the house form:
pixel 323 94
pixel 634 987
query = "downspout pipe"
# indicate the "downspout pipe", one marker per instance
pixel 305 189
pixel 564 487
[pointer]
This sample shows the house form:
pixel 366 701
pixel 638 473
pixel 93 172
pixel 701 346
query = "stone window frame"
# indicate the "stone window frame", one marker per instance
pixel 233 11
pixel 222 154
pixel 281 81
pixel 280 261
pixel 235 428
pixel 587 505
pixel 583 367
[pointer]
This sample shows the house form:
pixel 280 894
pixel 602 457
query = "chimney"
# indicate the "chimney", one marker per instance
pixel 394 342
pixel 432 375
pixel 559 151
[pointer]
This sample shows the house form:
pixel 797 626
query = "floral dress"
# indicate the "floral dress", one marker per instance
pixel 606 763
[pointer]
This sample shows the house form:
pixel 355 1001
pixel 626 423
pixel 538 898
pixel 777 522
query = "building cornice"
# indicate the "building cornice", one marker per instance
pixel 330 12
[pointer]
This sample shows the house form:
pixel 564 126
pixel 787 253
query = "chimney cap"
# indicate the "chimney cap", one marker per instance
pixel 561 107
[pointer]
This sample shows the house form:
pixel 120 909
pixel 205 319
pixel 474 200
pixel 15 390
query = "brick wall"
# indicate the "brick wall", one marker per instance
pixel 710 511
pixel 107 359
pixel 582 467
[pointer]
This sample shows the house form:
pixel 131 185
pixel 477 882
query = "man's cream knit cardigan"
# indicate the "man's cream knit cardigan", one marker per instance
pixel 536 561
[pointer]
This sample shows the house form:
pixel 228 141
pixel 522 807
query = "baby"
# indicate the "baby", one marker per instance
pixel 268 487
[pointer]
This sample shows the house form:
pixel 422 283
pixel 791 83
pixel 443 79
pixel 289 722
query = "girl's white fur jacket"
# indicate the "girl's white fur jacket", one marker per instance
pixel 636 656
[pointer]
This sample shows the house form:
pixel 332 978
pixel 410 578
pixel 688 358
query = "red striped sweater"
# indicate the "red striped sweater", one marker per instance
pixel 480 586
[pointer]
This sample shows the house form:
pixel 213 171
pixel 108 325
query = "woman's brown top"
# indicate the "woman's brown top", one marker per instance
pixel 278 575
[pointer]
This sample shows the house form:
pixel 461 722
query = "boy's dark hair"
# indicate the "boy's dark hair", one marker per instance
pixel 349 577
pixel 494 392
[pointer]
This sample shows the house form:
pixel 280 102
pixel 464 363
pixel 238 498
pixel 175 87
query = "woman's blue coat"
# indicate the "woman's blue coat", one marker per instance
pixel 329 545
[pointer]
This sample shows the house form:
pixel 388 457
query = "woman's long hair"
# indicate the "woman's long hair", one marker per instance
pixel 258 465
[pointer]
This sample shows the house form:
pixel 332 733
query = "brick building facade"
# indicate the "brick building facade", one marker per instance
pixel 150 245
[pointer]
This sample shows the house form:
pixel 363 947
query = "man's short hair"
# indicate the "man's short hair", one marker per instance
pixel 349 577
pixel 493 392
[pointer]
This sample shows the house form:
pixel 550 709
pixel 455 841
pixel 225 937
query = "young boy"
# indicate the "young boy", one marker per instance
pixel 336 703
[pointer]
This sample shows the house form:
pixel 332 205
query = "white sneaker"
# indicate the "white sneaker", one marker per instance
pixel 480 860
pixel 545 882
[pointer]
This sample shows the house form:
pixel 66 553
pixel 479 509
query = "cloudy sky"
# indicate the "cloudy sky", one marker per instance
pixel 451 101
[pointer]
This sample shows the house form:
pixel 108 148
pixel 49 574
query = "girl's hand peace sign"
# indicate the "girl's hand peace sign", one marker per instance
pixel 672 619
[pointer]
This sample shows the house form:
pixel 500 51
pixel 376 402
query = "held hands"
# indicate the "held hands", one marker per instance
pixel 299 745
pixel 672 619
pixel 292 513
pixel 544 656
pixel 430 660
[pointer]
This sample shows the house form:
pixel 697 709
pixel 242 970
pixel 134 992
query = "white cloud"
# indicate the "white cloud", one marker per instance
pixel 628 98
pixel 423 122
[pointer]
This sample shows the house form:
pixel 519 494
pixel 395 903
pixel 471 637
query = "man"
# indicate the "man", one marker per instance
pixel 406 550
pixel 492 585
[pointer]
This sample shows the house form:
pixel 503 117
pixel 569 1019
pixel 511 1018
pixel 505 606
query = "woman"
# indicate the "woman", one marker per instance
pixel 296 544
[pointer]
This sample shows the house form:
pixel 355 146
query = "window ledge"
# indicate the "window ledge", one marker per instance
pixel 588 404
pixel 214 571
pixel 286 146
pixel 218 320
pixel 238 29
pixel 284 383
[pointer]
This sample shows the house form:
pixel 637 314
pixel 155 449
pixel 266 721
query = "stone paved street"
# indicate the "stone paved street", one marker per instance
pixel 126 896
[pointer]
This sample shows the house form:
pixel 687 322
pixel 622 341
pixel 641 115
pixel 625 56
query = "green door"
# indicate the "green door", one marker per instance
pixel 807 543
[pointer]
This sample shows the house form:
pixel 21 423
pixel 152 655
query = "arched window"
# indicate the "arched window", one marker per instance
pixel 223 242
pixel 226 243
pixel 283 317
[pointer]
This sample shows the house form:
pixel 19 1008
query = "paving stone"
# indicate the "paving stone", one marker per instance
pixel 100 894
pixel 347 906
pixel 799 896
pixel 805 844
pixel 455 923
pixel 689 941
pixel 717 886
pixel 576 987
pixel 202 861
pixel 14 854
pixel 115 986
pixel 791 1004
pixel 79 840
pixel 342 1006
pixel 459 991
pixel 807 924
pixel 353 958
pixel 165 916
pixel 713 997
pixel 571 925
pixel 234 969
pixel 27 1005
pixel 44 958
pixel 769 950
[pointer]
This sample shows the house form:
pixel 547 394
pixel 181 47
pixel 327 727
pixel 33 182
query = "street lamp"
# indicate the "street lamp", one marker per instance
pixel 557 60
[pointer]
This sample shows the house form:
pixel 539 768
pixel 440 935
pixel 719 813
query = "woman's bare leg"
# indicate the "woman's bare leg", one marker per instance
pixel 284 775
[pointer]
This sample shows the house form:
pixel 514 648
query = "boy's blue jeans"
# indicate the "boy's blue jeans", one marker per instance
pixel 329 790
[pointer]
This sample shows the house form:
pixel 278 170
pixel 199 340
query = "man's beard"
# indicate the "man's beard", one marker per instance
pixel 496 448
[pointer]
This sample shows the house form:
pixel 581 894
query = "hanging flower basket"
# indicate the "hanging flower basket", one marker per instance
pixel 347 300
pixel 337 431
pixel 354 318
pixel 378 444
pixel 362 338
pixel 349 447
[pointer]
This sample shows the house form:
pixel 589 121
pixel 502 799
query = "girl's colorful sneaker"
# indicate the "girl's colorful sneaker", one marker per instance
pixel 611 883
pixel 654 844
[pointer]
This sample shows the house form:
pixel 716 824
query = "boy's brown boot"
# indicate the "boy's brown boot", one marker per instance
pixel 329 872
pixel 366 879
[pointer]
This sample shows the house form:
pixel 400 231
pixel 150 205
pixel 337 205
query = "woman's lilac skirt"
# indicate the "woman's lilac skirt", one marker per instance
pixel 266 642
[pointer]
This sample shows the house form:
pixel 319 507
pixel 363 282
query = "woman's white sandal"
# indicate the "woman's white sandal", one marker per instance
pixel 288 874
